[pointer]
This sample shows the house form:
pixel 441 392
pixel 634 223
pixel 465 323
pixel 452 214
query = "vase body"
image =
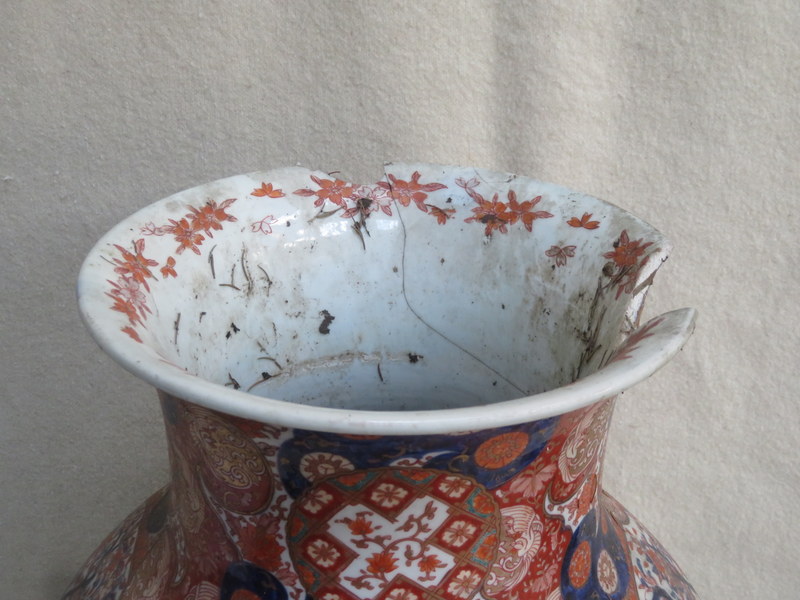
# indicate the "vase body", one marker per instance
pixel 268 512
pixel 396 391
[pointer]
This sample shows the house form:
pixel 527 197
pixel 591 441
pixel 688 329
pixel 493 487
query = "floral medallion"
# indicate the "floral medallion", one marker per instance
pixel 394 533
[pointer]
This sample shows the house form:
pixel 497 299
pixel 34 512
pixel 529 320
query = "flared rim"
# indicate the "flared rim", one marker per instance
pixel 664 337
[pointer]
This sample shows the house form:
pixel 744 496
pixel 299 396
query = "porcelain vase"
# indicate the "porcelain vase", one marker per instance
pixel 391 391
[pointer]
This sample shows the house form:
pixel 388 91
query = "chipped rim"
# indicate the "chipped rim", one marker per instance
pixel 668 334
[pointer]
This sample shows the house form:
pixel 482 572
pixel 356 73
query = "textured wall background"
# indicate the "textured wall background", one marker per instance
pixel 685 113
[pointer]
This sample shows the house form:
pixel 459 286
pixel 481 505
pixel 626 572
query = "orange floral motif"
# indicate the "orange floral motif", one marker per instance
pixel 134 263
pixel 497 215
pixel 129 299
pixel 441 214
pixel 186 236
pixel 626 266
pixel 335 190
pixel 626 252
pixel 381 563
pixel 210 216
pixel 523 211
pixel 429 563
pixel 585 222
pixel 406 192
pixel 360 525
pixel 266 189
pixel 189 230
pixel 492 213
pixel 168 270
pixel 501 450
pixel 135 269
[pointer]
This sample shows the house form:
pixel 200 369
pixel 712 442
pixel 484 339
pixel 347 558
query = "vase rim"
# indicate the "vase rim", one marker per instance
pixel 664 338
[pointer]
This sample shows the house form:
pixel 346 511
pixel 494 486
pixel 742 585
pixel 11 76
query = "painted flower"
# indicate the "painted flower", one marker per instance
pixel 406 192
pixel 627 252
pixel 316 501
pixel 388 495
pixel 360 526
pixel 428 564
pixel 492 213
pixel 454 487
pixel 369 199
pixel 264 225
pixel 459 533
pixel 441 214
pixel 186 236
pixel 134 264
pixel 168 270
pixel 585 222
pixel 501 450
pixel 129 299
pixel 402 594
pixel 381 563
pixel 323 553
pixel 524 211
pixel 468 185
pixel 334 190
pixel 211 216
pixel 561 254
pixel 464 584
pixel 267 190
pixel 530 484
pixel 318 465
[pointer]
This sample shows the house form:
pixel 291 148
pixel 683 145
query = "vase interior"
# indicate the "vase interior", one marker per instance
pixel 436 287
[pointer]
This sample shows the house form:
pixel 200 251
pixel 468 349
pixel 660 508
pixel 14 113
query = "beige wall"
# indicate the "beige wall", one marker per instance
pixel 685 113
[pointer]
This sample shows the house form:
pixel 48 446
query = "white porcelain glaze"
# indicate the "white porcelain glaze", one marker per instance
pixel 439 299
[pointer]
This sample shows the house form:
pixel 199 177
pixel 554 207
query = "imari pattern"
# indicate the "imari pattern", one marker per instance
pixel 274 512
pixel 429 534
pixel 228 527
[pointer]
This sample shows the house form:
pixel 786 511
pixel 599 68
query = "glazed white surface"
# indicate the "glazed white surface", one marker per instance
pixel 400 319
